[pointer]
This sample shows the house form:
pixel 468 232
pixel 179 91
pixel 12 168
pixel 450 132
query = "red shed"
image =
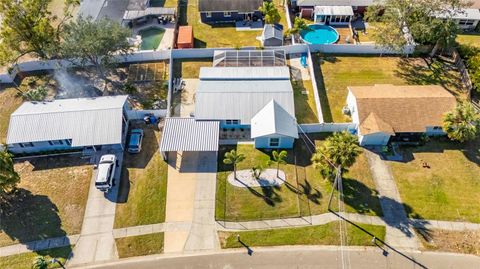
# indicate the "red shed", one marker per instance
pixel 185 37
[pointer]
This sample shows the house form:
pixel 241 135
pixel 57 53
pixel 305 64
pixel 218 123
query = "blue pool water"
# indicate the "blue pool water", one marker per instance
pixel 319 34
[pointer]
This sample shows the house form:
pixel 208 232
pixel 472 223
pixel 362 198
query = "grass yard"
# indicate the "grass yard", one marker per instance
pixel 140 245
pixel 190 68
pixel 305 108
pixel 163 3
pixel 335 73
pixel 449 189
pixel 472 39
pixel 25 260
pixel 9 102
pixel 467 242
pixel 56 8
pixel 302 196
pixel 221 35
pixel 143 187
pixel 327 234
pixel 50 201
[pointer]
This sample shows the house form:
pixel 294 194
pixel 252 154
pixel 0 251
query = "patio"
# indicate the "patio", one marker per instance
pixel 248 25
pixel 240 134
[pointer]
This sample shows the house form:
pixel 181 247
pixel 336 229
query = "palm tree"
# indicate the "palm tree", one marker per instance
pixel 233 158
pixel 270 12
pixel 40 263
pixel 462 123
pixel 340 149
pixel 278 158
pixel 298 25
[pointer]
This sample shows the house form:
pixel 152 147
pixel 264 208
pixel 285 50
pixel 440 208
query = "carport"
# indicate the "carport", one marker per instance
pixel 188 134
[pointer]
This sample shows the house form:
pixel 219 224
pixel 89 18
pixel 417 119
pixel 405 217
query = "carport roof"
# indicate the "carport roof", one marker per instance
pixel 188 134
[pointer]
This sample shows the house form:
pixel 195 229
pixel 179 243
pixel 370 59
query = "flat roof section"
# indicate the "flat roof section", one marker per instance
pixel 188 134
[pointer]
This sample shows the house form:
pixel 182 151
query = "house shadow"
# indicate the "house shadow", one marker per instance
pixel 27 217
pixel 150 146
pixel 302 108
pixel 54 162
pixel 124 188
pixel 361 197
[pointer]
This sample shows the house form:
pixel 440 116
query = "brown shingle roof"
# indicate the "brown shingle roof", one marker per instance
pixel 388 108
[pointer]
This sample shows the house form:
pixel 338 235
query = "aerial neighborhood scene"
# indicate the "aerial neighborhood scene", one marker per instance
pixel 239 134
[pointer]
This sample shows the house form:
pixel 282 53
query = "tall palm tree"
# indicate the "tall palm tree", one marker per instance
pixel 340 149
pixel 462 123
pixel 40 263
pixel 233 158
pixel 278 158
pixel 270 12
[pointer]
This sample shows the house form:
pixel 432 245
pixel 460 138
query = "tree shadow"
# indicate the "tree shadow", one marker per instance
pixel 124 188
pixel 314 195
pixel 268 194
pixel 54 162
pixel 26 217
pixel 322 92
pixel 360 197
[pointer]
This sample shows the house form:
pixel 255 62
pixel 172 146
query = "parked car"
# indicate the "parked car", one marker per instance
pixel 135 143
pixel 106 172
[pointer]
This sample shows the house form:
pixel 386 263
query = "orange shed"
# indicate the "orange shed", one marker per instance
pixel 185 37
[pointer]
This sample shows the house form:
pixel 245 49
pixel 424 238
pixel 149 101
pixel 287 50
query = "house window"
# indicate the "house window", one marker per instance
pixel 26 145
pixel 55 142
pixel 232 122
pixel 208 14
pixel 437 128
pixel 274 142
pixel 68 142
pixel 227 14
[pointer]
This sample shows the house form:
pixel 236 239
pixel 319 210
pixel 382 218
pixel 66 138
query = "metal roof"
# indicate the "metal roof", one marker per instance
pixel 244 73
pixel 274 119
pixel 188 134
pixel 248 58
pixel 272 31
pixel 462 14
pixel 334 10
pixel 86 121
pixel 151 11
pixel 308 3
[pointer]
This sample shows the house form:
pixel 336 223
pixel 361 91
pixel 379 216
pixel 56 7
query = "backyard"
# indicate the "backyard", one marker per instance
pixel 472 39
pixel 335 73
pixel 447 187
pixel 221 35
pixel 327 234
pixel 143 187
pixel 50 200
pixel 304 193
pixel 9 102
pixel 305 108
pixel 190 68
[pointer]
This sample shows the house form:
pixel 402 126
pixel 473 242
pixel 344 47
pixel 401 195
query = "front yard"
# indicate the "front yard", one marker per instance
pixel 448 188
pixel 472 39
pixel 335 73
pixel 467 242
pixel 305 192
pixel 50 201
pixel 143 187
pixel 25 260
pixel 327 234
pixel 140 245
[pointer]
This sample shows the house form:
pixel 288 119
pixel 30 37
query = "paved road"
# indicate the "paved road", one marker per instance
pixel 299 257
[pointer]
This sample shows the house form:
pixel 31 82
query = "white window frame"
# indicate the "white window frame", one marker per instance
pixel 55 142
pixel 208 14
pixel 274 140
pixel 26 145
pixel 232 122
pixel 227 14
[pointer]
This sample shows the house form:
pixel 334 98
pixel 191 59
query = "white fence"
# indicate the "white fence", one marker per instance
pixel 357 49
pixel 139 114
pixel 325 127
pixel 315 87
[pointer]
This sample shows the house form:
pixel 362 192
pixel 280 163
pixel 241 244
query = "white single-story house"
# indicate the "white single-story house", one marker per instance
pixel 66 124
pixel 247 97
pixel 385 113
pixel 466 19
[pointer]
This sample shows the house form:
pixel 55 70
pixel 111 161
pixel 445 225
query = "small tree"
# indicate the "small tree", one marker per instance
pixel 298 25
pixel 40 263
pixel 462 123
pixel 278 158
pixel 270 12
pixel 37 94
pixel 8 177
pixel 340 149
pixel 233 158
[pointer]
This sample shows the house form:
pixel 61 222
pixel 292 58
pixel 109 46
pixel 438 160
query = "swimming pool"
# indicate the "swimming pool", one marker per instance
pixel 151 38
pixel 319 34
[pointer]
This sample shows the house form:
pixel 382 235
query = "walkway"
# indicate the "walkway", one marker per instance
pixel 399 232
pixel 96 242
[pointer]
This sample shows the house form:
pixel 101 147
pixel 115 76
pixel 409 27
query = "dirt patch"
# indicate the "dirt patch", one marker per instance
pixel 467 242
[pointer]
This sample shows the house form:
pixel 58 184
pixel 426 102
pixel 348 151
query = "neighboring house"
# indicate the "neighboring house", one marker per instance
pixel 466 19
pixel 307 7
pixel 66 124
pixel 387 113
pixel 253 97
pixel 272 35
pixel 221 11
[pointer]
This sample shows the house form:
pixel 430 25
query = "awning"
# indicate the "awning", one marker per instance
pixel 334 10
pixel 151 11
pixel 188 134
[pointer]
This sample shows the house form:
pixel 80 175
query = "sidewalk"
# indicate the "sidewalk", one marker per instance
pixel 39 245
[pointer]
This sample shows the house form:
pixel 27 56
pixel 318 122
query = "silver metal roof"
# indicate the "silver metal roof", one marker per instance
pixel 86 121
pixel 188 134
pixel 244 73
pixel 305 3
pixel 334 10
pixel 151 11
pixel 249 58
pixel 272 31
pixel 274 119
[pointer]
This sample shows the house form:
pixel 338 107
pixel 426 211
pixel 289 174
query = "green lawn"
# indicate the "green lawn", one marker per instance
pixel 9 102
pixel 449 189
pixel 50 200
pixel 305 108
pixel 335 73
pixel 305 192
pixel 25 260
pixel 221 35
pixel 327 234
pixel 469 39
pixel 190 68
pixel 140 245
pixel 143 187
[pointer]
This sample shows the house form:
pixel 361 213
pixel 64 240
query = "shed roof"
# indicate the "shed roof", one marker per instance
pixel 309 3
pixel 272 31
pixel 468 13
pixel 334 10
pixel 401 108
pixel 229 5
pixel 274 119
pixel 86 121
pixel 185 35
pixel 188 134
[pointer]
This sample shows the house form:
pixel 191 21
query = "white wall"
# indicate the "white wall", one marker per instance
pixel 133 114
pixel 352 105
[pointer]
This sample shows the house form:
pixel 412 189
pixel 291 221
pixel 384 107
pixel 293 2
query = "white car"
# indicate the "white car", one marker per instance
pixel 106 172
